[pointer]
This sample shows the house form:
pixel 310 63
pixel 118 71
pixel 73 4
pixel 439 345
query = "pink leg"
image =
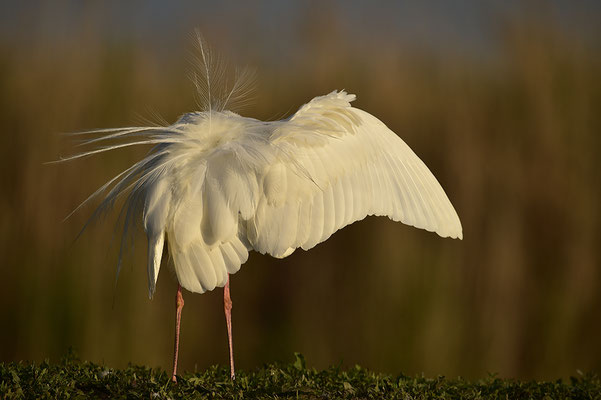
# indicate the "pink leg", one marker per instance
pixel 227 305
pixel 179 303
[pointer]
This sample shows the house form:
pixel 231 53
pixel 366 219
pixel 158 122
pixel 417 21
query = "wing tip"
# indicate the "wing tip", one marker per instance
pixel 455 232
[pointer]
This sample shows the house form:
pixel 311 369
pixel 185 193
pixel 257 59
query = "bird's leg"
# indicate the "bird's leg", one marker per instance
pixel 179 304
pixel 227 306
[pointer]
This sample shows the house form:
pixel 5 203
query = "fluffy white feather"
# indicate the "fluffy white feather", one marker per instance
pixel 217 185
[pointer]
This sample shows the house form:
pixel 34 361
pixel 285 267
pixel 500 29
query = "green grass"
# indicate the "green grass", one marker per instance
pixel 72 378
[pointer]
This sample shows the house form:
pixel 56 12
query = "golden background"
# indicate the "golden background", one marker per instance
pixel 502 103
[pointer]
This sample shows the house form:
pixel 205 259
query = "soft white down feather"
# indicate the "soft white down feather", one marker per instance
pixel 217 185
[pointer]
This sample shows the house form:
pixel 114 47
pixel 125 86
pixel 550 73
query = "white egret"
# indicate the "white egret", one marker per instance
pixel 217 185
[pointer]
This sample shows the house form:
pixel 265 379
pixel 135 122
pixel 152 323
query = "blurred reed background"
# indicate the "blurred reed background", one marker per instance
pixel 501 100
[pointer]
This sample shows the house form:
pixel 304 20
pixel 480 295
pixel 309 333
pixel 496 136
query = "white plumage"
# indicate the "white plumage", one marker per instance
pixel 217 185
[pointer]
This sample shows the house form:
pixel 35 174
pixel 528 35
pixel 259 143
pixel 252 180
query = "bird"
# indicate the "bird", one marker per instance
pixel 216 185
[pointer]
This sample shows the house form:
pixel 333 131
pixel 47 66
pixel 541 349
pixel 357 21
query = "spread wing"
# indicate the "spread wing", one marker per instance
pixel 346 165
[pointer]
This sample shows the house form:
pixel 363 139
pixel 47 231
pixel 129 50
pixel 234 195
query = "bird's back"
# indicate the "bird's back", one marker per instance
pixel 235 184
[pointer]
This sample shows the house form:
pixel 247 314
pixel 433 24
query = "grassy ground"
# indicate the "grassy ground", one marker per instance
pixel 75 379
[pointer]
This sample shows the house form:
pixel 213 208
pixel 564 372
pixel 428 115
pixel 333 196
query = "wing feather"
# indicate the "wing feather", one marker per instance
pixel 202 265
pixel 339 203
pixel 329 213
pixel 219 267
pixel 156 211
pixel 315 222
